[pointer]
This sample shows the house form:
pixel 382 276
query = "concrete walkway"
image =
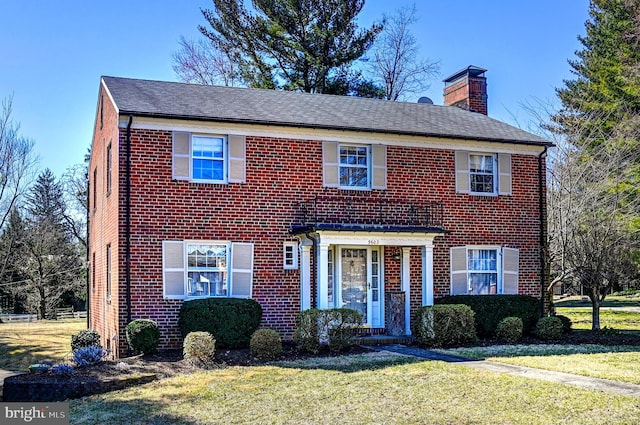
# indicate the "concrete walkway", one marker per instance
pixel 527 372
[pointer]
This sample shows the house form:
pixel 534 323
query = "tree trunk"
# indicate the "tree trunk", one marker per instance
pixel 43 303
pixel 595 313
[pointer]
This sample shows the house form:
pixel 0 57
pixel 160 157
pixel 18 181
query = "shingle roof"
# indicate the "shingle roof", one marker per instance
pixel 243 105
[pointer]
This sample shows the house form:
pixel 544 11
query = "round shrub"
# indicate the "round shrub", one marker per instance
pixel 143 336
pixel 266 344
pixel 566 323
pixel 63 370
pixel 509 329
pixel 549 328
pixel 199 348
pixel 444 325
pixel 85 338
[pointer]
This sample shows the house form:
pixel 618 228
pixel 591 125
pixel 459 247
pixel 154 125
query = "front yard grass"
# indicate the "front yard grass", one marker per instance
pixel 618 363
pixel 362 389
pixel 624 320
pixel 25 343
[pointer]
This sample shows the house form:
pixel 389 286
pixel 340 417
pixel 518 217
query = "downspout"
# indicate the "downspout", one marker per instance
pixel 543 227
pixel 88 256
pixel 127 230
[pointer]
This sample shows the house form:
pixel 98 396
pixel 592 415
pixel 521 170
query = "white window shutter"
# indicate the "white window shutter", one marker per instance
pixel 504 174
pixel 181 152
pixel 459 280
pixel 330 164
pixel 379 167
pixel 173 269
pixel 510 267
pixel 241 270
pixel 237 159
pixel 462 171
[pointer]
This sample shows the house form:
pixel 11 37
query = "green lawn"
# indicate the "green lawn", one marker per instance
pixel 616 319
pixel 25 343
pixel 362 389
pixel 609 301
pixel 620 363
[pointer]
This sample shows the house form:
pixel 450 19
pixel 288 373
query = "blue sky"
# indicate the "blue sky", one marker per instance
pixel 54 52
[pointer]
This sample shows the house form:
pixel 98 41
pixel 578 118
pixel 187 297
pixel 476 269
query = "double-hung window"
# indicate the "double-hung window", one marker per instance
pixel 482 173
pixel 208 158
pixel 193 269
pixel 354 166
pixel 484 270
pixel 207 273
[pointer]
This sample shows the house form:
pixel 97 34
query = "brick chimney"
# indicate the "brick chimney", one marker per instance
pixel 467 89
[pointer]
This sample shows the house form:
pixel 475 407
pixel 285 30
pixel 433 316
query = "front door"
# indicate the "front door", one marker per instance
pixel 360 282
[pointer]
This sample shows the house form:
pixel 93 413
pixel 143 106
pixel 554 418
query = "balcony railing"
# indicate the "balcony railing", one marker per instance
pixel 353 213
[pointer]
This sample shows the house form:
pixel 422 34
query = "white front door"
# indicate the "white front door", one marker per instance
pixel 359 282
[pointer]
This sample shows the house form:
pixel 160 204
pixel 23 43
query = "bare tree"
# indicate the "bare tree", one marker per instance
pixel 74 188
pixel 16 162
pixel 593 206
pixel 202 63
pixel 396 64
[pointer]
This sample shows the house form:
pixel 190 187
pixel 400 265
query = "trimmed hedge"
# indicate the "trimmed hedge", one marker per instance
pixel 231 321
pixel 509 329
pixel 85 338
pixel 266 344
pixel 199 348
pixel 143 336
pixel 549 328
pixel 491 309
pixel 333 328
pixel 444 325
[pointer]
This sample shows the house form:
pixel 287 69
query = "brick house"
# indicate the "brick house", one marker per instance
pixel 304 200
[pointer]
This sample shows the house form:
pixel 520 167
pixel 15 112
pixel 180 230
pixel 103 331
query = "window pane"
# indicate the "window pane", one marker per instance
pixel 354 168
pixel 206 270
pixel 208 158
pixel 353 177
pixel 482 260
pixel 207 284
pixel 481 173
pixel 483 283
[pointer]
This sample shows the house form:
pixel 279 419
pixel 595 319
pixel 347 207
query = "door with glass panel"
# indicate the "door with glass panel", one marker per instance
pixel 359 284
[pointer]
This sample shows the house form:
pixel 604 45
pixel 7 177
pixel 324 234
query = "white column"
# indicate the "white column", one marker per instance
pixel 305 276
pixel 427 274
pixel 323 275
pixel 406 286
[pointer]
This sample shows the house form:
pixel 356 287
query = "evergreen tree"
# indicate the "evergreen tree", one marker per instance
pixel 300 45
pixel 50 260
pixel 607 70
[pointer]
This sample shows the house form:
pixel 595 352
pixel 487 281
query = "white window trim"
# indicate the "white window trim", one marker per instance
pixel 368 167
pixel 292 248
pixel 186 243
pixel 499 265
pixel 225 159
pixel 495 174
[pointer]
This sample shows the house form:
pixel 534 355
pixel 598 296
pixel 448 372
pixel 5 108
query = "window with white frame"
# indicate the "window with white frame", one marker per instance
pixel 290 255
pixel 207 269
pixel 484 270
pixel 207 272
pixel 482 173
pixel 209 158
pixel 354 166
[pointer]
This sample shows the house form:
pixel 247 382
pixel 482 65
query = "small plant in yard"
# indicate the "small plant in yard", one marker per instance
pixel 566 323
pixel 63 370
pixel 85 338
pixel 143 336
pixel 88 356
pixel 444 325
pixel 549 328
pixel 199 348
pixel 266 344
pixel 509 329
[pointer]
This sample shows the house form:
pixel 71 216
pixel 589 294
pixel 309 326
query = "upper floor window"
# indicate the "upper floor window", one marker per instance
pixel 109 167
pixel 208 158
pixel 483 173
pixel 354 166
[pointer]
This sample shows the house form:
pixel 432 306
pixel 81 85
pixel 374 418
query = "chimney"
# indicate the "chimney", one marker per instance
pixel 467 89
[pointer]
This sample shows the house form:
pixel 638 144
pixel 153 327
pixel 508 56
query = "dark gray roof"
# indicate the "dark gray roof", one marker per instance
pixel 253 106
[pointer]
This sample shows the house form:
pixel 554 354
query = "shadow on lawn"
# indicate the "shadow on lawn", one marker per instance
pixel 19 358
pixel 123 412
pixel 349 363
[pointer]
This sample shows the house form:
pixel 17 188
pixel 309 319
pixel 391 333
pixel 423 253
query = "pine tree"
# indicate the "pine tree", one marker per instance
pixel 300 45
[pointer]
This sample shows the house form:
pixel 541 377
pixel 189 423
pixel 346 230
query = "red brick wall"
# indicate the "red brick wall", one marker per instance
pixel 281 172
pixel 103 225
